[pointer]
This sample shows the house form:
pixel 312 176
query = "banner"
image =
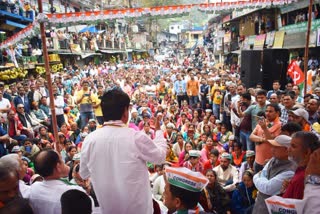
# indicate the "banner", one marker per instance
pixel 259 42
pixel 75 48
pixel 73 17
pixel 278 39
pixel 270 39
pixel 278 205
pixel 318 37
pixel 296 74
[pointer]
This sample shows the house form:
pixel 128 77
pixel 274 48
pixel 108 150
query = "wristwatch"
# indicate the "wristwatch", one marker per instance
pixel 313 179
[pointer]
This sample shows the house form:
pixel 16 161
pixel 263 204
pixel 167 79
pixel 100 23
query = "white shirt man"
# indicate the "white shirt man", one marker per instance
pixel 4 105
pixel 115 157
pixel 59 104
pixel 227 175
pixel 117 166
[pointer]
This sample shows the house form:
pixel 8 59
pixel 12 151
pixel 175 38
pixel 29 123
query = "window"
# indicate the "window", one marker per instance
pixel 172 28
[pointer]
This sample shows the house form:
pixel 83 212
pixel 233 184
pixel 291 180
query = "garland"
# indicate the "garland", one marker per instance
pixel 65 18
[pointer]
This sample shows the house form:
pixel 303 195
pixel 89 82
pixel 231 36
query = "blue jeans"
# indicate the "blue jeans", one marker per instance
pixel 193 100
pixel 85 117
pixel 3 150
pixel 19 138
pixel 245 141
pixel 216 111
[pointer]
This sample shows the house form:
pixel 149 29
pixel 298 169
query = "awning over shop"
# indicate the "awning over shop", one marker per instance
pixel 11 26
pixel 15 24
pixel 298 40
pixel 115 51
pixel 89 54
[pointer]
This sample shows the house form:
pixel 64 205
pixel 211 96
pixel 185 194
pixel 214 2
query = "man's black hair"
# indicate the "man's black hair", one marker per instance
pixel 275 106
pixel 188 199
pixel 45 162
pixel 246 96
pixel 309 140
pixel 75 201
pixel 308 95
pixel 291 128
pixel 291 95
pixel 262 92
pixel 113 104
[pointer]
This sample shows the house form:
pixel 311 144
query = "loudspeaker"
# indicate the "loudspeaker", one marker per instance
pixel 250 72
pixel 274 67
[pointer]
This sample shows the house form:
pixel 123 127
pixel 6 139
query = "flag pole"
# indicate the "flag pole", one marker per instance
pixel 306 50
pixel 42 18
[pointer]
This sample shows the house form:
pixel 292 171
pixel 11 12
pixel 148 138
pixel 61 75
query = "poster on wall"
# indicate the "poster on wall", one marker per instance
pixel 270 39
pixel 278 41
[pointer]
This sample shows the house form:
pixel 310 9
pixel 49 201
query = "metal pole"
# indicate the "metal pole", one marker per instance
pixel 306 50
pixel 48 78
pixel 65 10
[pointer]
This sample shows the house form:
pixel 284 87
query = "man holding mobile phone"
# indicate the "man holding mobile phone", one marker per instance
pixel 267 129
pixel 86 100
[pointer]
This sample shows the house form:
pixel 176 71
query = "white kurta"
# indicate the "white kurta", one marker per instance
pixel 231 173
pixel 24 189
pixel 115 159
pixel 45 196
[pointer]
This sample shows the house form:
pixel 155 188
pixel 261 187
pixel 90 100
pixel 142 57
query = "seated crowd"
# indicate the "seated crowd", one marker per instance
pixel 243 141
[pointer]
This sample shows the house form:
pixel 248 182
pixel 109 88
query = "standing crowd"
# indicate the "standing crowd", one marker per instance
pixel 246 144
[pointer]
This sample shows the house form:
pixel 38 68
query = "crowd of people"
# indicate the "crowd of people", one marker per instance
pixel 245 144
pixel 16 7
pixel 92 41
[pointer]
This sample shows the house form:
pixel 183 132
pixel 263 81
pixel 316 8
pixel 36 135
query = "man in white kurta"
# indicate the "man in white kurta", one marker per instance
pixel 115 157
pixel 227 175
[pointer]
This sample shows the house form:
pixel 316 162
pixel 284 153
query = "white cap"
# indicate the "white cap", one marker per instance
pixel 301 113
pixel 281 141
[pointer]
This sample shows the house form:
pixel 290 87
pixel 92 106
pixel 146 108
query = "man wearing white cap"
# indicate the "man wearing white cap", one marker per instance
pixel 248 164
pixel 301 117
pixel 183 190
pixel 227 175
pixel 279 168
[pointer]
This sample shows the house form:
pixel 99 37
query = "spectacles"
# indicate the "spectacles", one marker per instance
pixel 20 107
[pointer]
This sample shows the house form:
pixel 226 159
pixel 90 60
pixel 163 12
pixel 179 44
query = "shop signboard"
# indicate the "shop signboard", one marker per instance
pixel 270 39
pixel 298 40
pixel 301 27
pixel 259 42
pixel 278 39
pixel 252 39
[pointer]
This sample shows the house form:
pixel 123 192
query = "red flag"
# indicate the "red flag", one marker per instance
pixel 295 72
